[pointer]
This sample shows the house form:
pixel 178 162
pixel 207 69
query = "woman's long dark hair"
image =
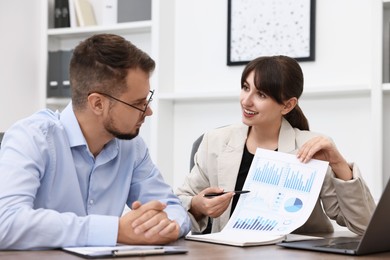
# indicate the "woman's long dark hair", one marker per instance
pixel 281 78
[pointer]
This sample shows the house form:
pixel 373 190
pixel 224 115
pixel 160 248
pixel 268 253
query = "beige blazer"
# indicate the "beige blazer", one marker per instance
pixel 217 162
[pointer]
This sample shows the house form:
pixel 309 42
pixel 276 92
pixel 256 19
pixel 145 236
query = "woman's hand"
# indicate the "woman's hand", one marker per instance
pixel 210 206
pixel 324 149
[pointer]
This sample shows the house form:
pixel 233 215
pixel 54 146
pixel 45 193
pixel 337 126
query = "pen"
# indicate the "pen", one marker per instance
pixel 221 193
pixel 139 252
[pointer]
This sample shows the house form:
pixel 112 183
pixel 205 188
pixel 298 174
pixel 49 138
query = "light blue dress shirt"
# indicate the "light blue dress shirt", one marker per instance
pixel 54 193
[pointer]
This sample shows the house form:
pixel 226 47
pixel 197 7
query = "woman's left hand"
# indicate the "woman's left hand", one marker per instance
pixel 320 148
pixel 324 149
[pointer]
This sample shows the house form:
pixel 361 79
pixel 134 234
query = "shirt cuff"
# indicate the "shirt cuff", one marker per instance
pixel 103 230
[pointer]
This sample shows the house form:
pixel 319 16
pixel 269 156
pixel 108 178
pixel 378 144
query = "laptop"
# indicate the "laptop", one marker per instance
pixel 375 239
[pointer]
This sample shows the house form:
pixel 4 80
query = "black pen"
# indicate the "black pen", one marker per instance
pixel 221 193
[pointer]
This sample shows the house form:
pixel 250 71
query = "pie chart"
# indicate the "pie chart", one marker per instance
pixel 293 205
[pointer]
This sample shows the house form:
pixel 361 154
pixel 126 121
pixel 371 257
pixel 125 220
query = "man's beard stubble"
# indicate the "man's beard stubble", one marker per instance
pixel 108 125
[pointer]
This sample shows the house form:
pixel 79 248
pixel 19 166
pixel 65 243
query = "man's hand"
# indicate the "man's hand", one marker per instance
pixel 147 224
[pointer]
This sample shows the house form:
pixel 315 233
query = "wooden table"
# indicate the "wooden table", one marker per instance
pixel 201 250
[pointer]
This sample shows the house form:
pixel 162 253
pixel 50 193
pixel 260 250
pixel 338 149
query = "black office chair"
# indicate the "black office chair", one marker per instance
pixel 1 137
pixel 195 147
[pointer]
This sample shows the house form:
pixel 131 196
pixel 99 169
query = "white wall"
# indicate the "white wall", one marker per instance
pixel 20 60
pixel 344 53
pixel 343 60
pixel 343 45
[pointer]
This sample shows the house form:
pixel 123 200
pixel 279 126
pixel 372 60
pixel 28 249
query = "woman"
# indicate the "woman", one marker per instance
pixel 272 119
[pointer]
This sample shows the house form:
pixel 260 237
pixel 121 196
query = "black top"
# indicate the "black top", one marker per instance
pixel 246 162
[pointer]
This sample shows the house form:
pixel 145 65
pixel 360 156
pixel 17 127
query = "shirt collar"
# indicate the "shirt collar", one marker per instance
pixel 72 127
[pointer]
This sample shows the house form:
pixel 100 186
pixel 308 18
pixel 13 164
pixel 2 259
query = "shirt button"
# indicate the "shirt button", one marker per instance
pixel 91 202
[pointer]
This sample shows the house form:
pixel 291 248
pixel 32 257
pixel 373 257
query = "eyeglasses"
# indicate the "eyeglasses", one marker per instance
pixel 145 105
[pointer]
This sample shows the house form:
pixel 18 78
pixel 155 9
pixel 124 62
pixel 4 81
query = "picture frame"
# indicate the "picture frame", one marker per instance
pixel 270 27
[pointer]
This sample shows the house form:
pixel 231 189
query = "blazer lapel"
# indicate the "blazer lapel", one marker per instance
pixel 228 166
pixel 227 161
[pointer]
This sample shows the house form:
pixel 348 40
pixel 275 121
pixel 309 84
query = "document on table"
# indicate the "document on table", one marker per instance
pixel 283 193
pixel 124 250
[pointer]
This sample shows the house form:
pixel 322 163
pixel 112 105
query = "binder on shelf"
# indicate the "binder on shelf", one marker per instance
pixel 53 74
pixel 58 84
pixel 61 14
pixel 106 11
pixel 57 14
pixel 65 90
pixel 134 10
pixel 84 13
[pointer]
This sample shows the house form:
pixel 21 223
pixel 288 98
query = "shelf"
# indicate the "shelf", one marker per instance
pixel 61 35
pixel 57 101
pixel 199 96
pixel 234 95
pixel 120 28
pixel 342 91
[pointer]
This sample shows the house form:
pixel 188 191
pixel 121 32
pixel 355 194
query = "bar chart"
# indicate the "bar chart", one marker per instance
pixel 299 181
pixel 268 174
pixel 288 176
pixel 258 223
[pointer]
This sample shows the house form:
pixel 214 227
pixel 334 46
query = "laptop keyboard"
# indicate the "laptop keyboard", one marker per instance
pixel 347 245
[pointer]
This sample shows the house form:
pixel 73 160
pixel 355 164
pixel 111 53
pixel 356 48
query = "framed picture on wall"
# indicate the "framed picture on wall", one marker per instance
pixel 270 27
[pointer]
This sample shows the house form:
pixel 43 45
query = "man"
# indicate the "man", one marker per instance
pixel 67 176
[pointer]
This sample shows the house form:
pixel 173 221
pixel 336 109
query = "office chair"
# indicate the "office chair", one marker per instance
pixel 1 137
pixel 195 147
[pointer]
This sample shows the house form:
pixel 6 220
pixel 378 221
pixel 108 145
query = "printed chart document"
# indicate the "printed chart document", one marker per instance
pixel 124 250
pixel 283 193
